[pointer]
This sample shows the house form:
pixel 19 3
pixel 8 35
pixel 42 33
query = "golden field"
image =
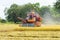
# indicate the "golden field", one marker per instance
pixel 14 32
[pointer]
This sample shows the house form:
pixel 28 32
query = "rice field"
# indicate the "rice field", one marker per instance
pixel 14 32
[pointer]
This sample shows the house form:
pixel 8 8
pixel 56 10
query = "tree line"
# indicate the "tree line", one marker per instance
pixel 21 10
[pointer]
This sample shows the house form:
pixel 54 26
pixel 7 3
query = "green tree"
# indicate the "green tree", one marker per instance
pixel 57 6
pixel 57 10
pixel 11 13
pixel 44 10
pixel 2 20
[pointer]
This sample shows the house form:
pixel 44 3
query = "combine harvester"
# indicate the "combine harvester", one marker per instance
pixel 36 28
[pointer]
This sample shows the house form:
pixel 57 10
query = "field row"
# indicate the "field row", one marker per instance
pixel 30 35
